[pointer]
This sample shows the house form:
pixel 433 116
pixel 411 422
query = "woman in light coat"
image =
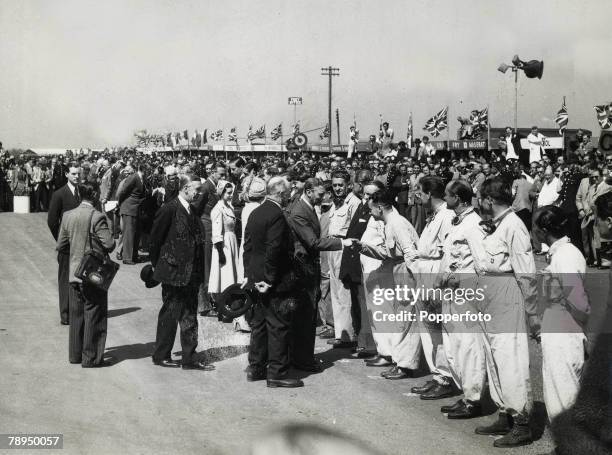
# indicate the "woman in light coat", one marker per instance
pixel 224 260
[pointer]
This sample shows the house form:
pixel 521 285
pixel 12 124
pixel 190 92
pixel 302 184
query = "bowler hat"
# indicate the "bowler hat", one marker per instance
pixel 146 275
pixel 234 301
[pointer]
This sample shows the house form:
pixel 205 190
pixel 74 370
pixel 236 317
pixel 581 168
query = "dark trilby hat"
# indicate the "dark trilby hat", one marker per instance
pixel 146 275
pixel 235 301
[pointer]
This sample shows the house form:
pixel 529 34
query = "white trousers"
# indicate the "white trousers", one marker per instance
pixel 506 345
pixel 464 349
pixel 340 300
pixel 562 363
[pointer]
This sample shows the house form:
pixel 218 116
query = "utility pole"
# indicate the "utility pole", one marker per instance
pixel 338 124
pixel 330 71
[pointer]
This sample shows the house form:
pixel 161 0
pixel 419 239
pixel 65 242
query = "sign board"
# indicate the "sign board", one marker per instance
pixel 295 100
pixel 460 145
pixel 549 143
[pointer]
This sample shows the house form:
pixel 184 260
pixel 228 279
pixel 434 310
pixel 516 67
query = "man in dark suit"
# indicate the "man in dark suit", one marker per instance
pixel 267 263
pixel 351 272
pixel 306 229
pixel 207 201
pixel 63 199
pixel 177 256
pixel 58 174
pixel 130 197
pixel 88 304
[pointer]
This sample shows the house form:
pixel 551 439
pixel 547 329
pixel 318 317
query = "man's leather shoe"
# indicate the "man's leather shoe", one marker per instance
pixel 363 354
pixel 341 344
pixel 290 383
pixel 198 365
pixel 168 363
pixel 378 361
pixel 253 376
pixel 327 333
pixel 424 388
pixel 468 411
pixel 126 262
pixel 311 368
pixel 391 370
pixel 64 322
pixel 398 373
pixel 453 407
pixel 519 435
pixel 500 427
pixel 438 392
pixel 119 257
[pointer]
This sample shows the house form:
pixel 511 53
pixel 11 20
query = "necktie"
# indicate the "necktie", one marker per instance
pixel 77 195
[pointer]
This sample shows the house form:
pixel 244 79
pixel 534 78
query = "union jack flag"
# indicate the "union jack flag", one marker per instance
pixel 480 119
pixel 437 123
pixel 277 132
pixel 217 135
pixel 233 136
pixel 260 133
pixel 562 118
pixel 325 132
pixel 604 115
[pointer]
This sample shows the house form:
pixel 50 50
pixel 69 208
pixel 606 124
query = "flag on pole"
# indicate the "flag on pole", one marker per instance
pixel 562 118
pixel 233 136
pixel 325 132
pixel 409 135
pixel 217 135
pixel 480 119
pixel 437 123
pixel 604 115
pixel 260 133
pixel 277 132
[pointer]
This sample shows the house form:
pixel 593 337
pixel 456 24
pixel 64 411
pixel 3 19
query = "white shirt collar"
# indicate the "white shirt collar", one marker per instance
pixel 305 199
pixel 71 187
pixel 184 203
pixel 501 215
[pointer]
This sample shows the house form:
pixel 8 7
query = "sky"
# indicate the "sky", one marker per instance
pixel 80 73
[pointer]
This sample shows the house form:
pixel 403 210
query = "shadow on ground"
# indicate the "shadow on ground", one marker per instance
pixel 130 351
pixel 121 311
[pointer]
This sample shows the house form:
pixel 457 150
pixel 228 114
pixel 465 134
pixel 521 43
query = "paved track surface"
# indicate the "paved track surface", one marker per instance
pixel 135 407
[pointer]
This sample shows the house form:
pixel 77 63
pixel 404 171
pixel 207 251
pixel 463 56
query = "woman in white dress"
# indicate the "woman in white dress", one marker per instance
pixel 224 260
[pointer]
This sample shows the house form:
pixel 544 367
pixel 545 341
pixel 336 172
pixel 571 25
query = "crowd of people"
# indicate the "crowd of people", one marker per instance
pixel 313 239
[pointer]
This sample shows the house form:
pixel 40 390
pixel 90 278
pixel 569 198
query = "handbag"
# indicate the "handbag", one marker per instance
pixel 95 268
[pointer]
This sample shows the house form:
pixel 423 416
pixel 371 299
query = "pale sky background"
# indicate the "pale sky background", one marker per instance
pixel 89 73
